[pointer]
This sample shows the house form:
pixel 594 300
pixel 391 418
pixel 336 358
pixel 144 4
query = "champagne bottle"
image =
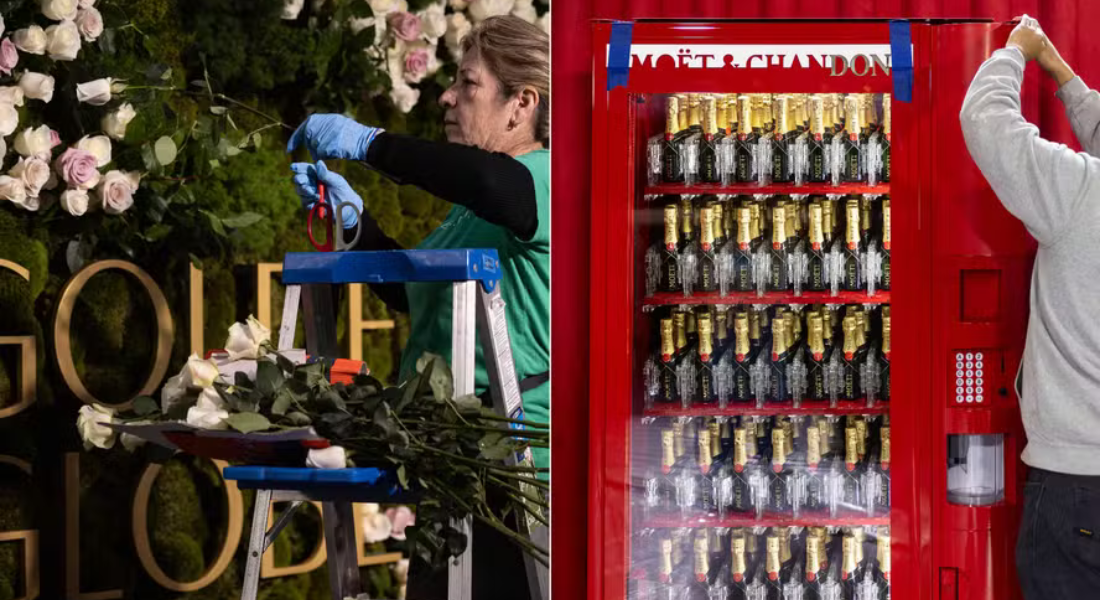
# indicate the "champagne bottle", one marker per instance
pixel 745 150
pixel 814 571
pixel 773 564
pixel 885 284
pixel 700 588
pixel 708 153
pixel 742 257
pixel 851 147
pixel 779 279
pixel 816 270
pixel 780 144
pixel 850 567
pixel 851 488
pixel 666 484
pixel 881 472
pixel 816 359
pixel 706 385
pixel 885 138
pixel 708 258
pixel 739 567
pixel 669 382
pixel 669 280
pixel 718 219
pixel 665 587
pixel 672 168
pixel 741 498
pixel 884 356
pixel 852 276
pixel 816 499
pixel 743 358
pixel 778 389
pixel 818 166
pixel 882 568
pixel 779 480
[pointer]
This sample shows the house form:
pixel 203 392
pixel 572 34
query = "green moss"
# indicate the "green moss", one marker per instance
pixel 176 510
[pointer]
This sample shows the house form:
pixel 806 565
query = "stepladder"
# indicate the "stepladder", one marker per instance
pixel 478 313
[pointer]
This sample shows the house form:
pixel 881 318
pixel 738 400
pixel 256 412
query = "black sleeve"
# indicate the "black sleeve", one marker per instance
pixel 373 238
pixel 495 186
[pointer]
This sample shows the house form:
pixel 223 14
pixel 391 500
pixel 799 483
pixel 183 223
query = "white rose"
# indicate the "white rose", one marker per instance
pixel 2 25
pixel 433 23
pixel 457 28
pixel 12 94
pixel 63 41
pixel 9 119
pixel 91 421
pixel 59 10
pixel 245 339
pixel 96 92
pixel 376 527
pixel 333 457
pixel 404 97
pixel 33 172
pixel 544 23
pixel 384 7
pixel 98 146
pixel 90 23
pixel 37 86
pixel 34 141
pixel 198 372
pixel 13 189
pixel 483 9
pixel 291 9
pixel 75 202
pixel 86 3
pixel 525 9
pixel 209 412
pixel 116 192
pixel 115 123
pixel 458 4
pixel 31 40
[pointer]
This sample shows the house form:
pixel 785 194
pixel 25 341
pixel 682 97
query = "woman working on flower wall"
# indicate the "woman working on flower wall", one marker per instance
pixel 495 168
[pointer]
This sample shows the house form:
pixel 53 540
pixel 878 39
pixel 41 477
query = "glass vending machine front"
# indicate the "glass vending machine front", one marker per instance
pixel 760 457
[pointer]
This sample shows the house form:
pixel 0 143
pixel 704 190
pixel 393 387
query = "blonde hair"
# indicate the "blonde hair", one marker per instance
pixel 517 53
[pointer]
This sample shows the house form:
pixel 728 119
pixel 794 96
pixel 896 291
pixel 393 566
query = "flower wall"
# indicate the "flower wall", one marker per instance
pixel 153 131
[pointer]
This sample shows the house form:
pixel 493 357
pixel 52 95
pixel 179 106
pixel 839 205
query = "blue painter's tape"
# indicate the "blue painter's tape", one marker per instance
pixel 901 58
pixel 618 56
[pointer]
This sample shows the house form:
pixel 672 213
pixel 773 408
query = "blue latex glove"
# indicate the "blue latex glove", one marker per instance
pixel 337 189
pixel 333 136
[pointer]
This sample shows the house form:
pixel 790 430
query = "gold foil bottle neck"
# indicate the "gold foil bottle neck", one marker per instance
pixel 816 337
pixel 672 118
pixel 813 446
pixel 710 113
pixel 773 562
pixel 817 226
pixel 853 213
pixel 851 447
pixel 740 449
pixel 813 556
pixel 886 223
pixel 850 563
pixel 817 119
pixel 664 571
pixel 668 349
pixel 678 438
pixel 741 336
pixel 738 564
pixel 702 557
pixel 679 322
pixel 779 449
pixel 884 451
pixel 886 115
pixel 779 227
pixel 668 456
pixel 706 224
pixel 672 234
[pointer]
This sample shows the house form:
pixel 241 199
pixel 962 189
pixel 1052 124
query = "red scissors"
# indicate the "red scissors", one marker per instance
pixel 334 240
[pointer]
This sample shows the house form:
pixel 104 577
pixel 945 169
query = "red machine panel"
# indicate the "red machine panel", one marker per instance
pixel 703 292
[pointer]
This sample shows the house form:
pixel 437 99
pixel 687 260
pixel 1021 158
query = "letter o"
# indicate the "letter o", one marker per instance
pixel 63 321
pixel 140 526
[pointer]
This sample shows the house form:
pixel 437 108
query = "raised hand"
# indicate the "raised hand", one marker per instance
pixel 333 136
pixel 337 189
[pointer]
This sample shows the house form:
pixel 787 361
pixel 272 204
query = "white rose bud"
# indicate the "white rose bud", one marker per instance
pixel 483 9
pixel 377 527
pixel 59 10
pixel 96 92
pixel 33 172
pixel 291 9
pixel 457 28
pixel 115 123
pixel 64 41
pixel 86 3
pixel 12 94
pixel 198 372
pixel 333 457
pixel 37 86
pixel 91 421
pixel 245 339
pixel 9 119
pixel 433 23
pixel 34 141
pixel 404 96
pixel 13 189
pixel 209 412
pixel 98 146
pixel 31 40
pixel 75 202
pixel 90 24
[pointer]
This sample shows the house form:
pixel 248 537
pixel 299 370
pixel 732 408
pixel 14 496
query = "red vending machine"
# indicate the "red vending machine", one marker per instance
pixel 779 410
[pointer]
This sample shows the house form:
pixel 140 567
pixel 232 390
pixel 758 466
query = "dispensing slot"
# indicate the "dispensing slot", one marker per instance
pixel 975 469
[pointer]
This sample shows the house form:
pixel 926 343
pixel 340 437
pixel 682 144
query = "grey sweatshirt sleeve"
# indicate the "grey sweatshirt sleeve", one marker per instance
pixel 1083 111
pixel 1040 182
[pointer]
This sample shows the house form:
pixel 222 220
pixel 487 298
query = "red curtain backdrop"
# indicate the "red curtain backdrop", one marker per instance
pixel 1070 24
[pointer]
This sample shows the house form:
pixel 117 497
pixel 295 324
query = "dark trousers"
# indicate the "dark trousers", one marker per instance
pixel 1058 552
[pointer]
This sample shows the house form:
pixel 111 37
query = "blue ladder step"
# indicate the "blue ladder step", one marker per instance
pixel 393 266
pixel 250 477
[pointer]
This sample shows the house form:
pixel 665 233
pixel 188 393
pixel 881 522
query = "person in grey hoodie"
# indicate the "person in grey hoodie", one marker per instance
pixel 1055 192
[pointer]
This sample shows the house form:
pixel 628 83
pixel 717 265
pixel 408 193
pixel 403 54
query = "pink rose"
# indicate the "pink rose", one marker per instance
pixel 406 26
pixel 9 56
pixel 401 517
pixel 55 139
pixel 78 168
pixel 416 65
pixel 116 193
